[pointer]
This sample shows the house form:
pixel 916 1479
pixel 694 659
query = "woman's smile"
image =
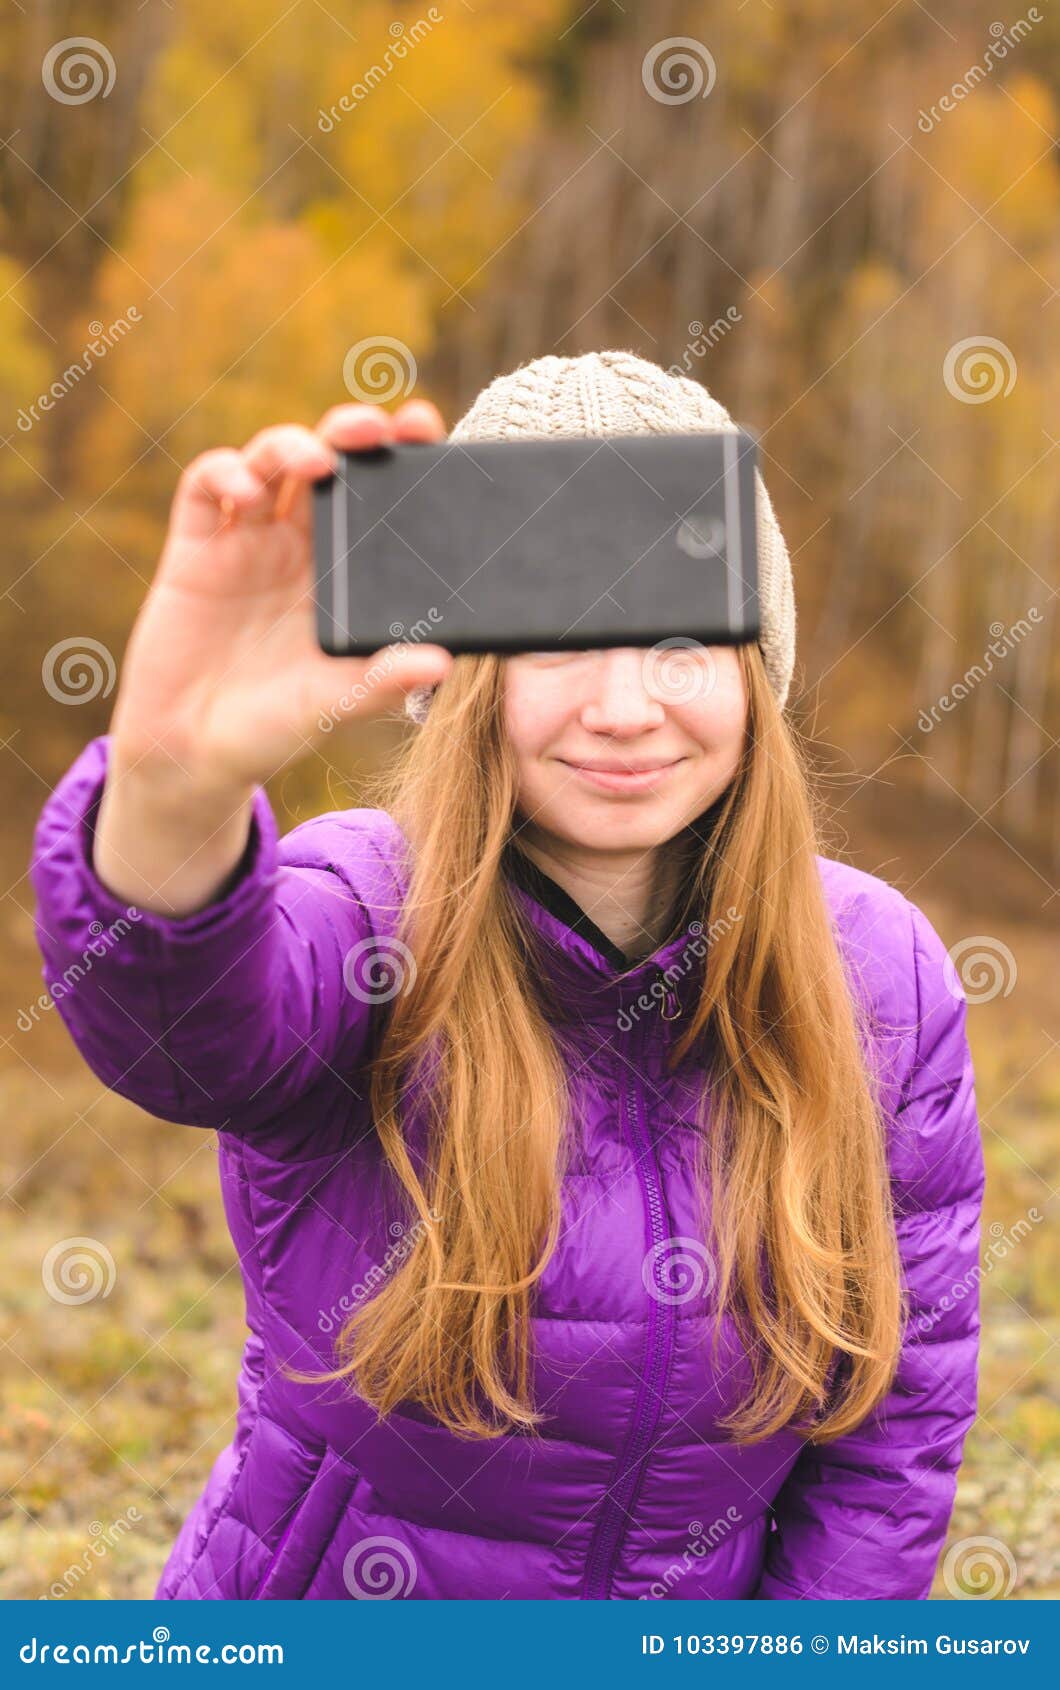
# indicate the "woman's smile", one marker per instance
pixel 624 777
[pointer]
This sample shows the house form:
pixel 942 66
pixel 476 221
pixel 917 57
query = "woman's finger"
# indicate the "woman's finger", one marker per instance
pixel 355 428
pixel 418 419
pixel 288 449
pixel 217 480
pixel 286 457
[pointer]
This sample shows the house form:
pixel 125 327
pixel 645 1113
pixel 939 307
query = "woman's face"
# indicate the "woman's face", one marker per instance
pixel 622 747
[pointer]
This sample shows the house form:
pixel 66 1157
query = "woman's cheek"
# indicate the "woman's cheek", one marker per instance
pixel 534 717
pixel 717 722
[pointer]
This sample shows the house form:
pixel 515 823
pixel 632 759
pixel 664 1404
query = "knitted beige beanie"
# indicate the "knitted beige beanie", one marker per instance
pixel 618 393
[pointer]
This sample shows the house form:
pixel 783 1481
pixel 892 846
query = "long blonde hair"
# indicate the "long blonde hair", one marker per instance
pixel 794 1159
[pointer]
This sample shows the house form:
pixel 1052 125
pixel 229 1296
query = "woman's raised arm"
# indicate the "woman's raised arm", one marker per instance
pixel 227 1015
pixel 196 958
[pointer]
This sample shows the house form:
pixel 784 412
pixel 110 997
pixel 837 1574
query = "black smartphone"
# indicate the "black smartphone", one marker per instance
pixel 539 544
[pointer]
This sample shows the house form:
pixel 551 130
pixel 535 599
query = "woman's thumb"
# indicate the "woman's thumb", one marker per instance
pixel 352 686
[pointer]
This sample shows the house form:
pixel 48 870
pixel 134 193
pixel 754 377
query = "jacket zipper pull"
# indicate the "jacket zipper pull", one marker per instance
pixel 671 1008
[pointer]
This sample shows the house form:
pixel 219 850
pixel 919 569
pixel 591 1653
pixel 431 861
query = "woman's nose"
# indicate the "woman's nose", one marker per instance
pixel 616 697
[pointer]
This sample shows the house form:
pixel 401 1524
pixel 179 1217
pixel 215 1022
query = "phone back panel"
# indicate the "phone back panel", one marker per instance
pixel 539 544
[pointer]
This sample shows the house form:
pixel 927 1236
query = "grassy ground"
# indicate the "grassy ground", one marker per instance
pixel 115 1408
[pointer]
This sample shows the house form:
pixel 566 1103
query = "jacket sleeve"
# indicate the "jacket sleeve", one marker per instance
pixel 225 1016
pixel 866 1515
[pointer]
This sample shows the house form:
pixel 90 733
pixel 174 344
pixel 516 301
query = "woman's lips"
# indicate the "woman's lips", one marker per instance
pixel 620 780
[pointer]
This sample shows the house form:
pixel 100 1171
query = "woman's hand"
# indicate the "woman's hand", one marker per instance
pixel 223 674
pixel 223 681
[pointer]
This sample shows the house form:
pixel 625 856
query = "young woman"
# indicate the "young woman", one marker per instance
pixel 602 1161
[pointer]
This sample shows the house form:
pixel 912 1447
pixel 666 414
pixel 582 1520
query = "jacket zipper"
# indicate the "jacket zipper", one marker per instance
pixel 658 1347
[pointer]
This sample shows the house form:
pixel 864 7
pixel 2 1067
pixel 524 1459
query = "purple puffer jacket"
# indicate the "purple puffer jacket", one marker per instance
pixel 239 1018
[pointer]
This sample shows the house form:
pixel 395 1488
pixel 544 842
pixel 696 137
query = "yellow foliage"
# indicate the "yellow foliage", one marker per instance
pixel 26 372
pixel 241 327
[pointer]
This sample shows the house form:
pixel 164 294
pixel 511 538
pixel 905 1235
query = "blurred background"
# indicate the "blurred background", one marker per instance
pixel 843 217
